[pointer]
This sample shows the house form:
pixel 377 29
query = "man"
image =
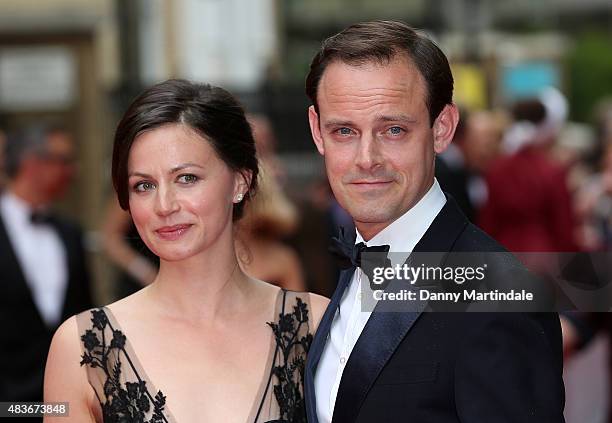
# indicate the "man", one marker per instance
pixel 460 169
pixel 43 275
pixel 382 109
pixel 529 205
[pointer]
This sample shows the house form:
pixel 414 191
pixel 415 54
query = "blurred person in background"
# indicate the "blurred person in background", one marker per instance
pixel 266 141
pixel 529 207
pixel 579 330
pixel 460 168
pixel 594 208
pixel 2 148
pixel 322 217
pixel 269 219
pixel 123 246
pixel 594 199
pixel 42 262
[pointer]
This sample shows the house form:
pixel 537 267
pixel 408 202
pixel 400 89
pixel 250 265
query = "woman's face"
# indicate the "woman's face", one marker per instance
pixel 180 192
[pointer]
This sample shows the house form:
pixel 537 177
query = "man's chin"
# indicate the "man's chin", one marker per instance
pixel 375 218
pixel 366 211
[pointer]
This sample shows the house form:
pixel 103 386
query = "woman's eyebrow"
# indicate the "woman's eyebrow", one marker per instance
pixel 170 172
pixel 184 166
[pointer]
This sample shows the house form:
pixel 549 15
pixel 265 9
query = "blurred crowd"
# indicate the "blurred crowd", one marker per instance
pixel 531 179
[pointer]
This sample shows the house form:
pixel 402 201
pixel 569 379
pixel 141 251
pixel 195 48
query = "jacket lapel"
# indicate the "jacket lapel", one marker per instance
pixel 319 341
pixel 69 247
pixel 388 329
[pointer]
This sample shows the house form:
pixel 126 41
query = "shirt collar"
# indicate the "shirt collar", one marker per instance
pixel 404 233
pixel 16 206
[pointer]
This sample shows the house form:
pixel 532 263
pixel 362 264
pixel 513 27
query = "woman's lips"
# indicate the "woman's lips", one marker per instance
pixel 172 233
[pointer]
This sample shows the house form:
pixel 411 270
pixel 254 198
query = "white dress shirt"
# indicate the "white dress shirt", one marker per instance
pixel 41 255
pixel 402 235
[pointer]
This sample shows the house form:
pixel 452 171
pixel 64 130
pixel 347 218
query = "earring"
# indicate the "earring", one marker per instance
pixel 239 198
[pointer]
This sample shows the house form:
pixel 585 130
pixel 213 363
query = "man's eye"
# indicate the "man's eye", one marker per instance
pixel 395 130
pixel 187 179
pixel 143 186
pixel 344 131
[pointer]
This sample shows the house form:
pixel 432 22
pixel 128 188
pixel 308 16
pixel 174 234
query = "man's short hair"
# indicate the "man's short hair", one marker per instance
pixel 381 42
pixel 26 141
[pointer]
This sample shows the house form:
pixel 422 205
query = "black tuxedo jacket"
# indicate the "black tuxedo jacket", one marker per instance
pixel 437 367
pixel 25 337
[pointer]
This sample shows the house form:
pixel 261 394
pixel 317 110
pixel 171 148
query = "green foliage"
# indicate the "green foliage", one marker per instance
pixel 589 66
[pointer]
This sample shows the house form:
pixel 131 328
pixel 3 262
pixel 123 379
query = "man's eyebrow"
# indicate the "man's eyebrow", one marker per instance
pixel 395 118
pixel 337 122
pixel 173 170
pixel 332 123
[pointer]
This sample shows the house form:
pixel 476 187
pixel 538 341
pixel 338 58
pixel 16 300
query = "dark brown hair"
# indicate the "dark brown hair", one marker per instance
pixel 530 110
pixel 211 111
pixel 381 42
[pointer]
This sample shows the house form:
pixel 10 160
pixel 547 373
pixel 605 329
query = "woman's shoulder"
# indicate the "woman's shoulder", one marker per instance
pixel 64 377
pixel 315 303
pixel 318 304
pixel 66 335
pixel 97 321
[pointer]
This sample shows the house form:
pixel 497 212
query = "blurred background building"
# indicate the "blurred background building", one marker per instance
pixel 79 63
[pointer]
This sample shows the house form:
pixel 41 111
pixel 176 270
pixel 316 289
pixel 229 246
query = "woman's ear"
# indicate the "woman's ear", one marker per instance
pixel 242 185
pixel 444 127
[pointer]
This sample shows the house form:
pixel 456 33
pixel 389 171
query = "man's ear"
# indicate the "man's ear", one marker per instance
pixel 444 127
pixel 315 129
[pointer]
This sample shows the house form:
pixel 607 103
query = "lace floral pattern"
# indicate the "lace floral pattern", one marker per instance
pixel 293 341
pixel 124 392
pixel 129 402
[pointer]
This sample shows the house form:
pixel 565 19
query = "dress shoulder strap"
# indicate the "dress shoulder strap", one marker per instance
pixel 283 399
pixel 114 373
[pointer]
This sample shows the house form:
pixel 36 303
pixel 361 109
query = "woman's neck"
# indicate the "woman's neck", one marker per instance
pixel 204 287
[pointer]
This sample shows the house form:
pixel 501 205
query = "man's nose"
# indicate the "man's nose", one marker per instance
pixel 368 155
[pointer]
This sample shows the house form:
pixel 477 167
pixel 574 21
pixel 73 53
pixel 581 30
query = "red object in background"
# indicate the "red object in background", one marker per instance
pixel 529 207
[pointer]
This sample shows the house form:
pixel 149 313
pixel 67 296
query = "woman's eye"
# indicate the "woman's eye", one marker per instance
pixel 187 179
pixel 143 186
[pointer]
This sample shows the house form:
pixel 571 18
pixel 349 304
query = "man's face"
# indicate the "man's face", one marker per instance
pixel 374 132
pixel 56 165
pixel 482 139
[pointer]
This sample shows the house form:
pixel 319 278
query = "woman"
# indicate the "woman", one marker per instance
pixel 204 342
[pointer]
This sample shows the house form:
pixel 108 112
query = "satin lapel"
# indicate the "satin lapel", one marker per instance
pixel 319 341
pixel 384 331
pixel 70 249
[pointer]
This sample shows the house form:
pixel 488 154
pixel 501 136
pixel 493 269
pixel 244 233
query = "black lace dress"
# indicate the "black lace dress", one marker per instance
pixel 127 395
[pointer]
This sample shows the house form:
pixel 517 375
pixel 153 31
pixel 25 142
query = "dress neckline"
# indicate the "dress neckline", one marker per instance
pixel 260 397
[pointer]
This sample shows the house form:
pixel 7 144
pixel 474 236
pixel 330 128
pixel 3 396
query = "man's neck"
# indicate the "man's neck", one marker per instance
pixel 369 231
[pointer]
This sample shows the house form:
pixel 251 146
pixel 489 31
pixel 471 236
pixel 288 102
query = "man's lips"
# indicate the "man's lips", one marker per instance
pixel 370 184
pixel 173 232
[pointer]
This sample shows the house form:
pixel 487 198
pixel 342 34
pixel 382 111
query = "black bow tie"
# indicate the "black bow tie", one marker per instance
pixel 348 254
pixel 40 218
